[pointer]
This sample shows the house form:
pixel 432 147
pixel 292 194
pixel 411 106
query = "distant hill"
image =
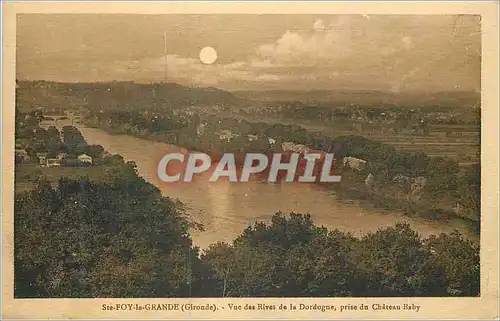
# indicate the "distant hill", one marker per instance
pixel 366 97
pixel 54 95
pixel 32 94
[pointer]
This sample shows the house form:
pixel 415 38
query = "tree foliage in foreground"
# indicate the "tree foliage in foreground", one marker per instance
pixel 293 257
pixel 113 239
pixel 121 238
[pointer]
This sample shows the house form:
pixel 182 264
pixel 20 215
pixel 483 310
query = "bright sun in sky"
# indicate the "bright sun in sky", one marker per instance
pixel 208 55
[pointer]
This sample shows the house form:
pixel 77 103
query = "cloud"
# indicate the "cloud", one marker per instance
pixel 259 63
pixel 192 71
pixel 294 49
pixel 370 52
pixel 269 77
pixel 331 43
pixel 400 52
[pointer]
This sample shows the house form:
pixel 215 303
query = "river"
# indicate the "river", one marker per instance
pixel 226 209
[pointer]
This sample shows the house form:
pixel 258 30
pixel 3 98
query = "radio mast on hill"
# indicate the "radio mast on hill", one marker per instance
pixel 165 40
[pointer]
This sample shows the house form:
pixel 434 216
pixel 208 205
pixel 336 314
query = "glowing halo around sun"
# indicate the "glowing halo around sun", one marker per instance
pixel 208 55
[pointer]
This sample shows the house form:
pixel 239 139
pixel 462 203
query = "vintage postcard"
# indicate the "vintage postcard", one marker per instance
pixel 250 160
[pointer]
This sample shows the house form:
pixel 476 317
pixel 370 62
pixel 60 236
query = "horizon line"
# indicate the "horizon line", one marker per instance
pixel 254 90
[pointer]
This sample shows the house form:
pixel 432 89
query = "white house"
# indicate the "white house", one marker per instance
pixel 299 148
pixel 22 155
pixel 226 135
pixel 42 158
pixel 401 179
pixel 53 162
pixel 252 137
pixel 457 208
pixel 200 129
pixel 416 189
pixel 85 158
pixel 292 147
pixel 370 180
pixel 354 163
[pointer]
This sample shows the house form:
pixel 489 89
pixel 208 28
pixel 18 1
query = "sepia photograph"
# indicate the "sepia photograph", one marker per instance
pixel 249 156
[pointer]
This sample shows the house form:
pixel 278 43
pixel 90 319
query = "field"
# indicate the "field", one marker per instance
pixel 460 142
pixel 464 148
pixel 27 174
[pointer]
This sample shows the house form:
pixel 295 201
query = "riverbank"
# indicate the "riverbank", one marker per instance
pixel 382 195
pixel 224 209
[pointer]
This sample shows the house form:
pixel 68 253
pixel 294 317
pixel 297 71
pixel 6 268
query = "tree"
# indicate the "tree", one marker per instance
pixel 387 259
pixel 53 146
pixel 468 191
pixel 18 121
pixel 220 258
pixel 95 151
pixel 52 131
pixel 291 257
pixel 453 268
pixel 114 239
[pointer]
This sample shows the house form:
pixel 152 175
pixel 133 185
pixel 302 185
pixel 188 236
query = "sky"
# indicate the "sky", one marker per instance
pixel 255 52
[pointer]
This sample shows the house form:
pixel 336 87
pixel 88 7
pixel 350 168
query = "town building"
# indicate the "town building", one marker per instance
pixel 22 156
pixel 42 158
pixel 293 147
pixel 61 156
pixel 226 135
pixel 53 162
pixel 252 137
pixel 200 129
pixel 84 158
pixel 354 163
